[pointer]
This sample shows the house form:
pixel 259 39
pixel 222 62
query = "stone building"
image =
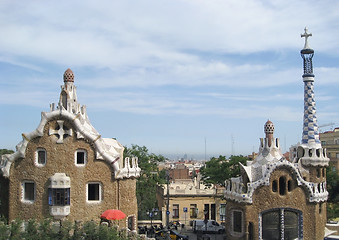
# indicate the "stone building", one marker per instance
pixel 330 140
pixel 188 199
pixel 64 169
pixel 279 199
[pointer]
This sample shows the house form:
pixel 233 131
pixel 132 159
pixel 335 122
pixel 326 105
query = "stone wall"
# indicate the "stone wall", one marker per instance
pixel 61 159
pixel 314 214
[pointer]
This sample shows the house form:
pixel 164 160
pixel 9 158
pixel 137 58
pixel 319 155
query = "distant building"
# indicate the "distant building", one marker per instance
pixel 279 199
pixel 180 172
pixel 330 140
pixel 64 169
pixel 188 199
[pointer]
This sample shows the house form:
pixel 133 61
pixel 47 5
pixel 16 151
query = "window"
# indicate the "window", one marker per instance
pixel 193 211
pixel 80 157
pixel 237 221
pixel 213 212
pixel 175 210
pixel 279 224
pixel 274 186
pixel 282 185
pixel 28 191
pixel 222 212
pixel 93 192
pixel 131 223
pixel 58 196
pixel 40 157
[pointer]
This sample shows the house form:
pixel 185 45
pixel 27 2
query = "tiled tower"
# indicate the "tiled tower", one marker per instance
pixel 310 152
pixel 275 198
pixel 310 131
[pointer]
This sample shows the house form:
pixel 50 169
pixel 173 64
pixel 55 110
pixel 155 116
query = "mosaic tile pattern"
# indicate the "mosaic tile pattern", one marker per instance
pixel 310 131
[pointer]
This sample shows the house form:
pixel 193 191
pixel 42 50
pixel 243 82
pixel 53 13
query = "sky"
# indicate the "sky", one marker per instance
pixel 177 76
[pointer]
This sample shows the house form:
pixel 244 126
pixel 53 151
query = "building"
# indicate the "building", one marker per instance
pixel 330 140
pixel 188 199
pixel 279 199
pixel 64 169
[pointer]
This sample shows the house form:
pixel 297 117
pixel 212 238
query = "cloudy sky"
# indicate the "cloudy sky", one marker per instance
pixel 176 76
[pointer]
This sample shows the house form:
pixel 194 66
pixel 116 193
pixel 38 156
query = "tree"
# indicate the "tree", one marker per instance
pixel 149 178
pixel 217 170
pixel 332 183
pixel 5 151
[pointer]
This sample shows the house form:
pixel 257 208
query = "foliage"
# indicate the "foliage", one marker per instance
pixel 149 178
pixel 44 229
pixel 217 170
pixel 332 183
pixel 332 210
pixel 5 151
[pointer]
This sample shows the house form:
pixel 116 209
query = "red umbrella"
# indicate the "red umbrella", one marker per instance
pixel 113 214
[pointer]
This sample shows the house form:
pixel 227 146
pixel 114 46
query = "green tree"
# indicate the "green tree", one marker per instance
pixel 5 151
pixel 149 178
pixel 332 183
pixel 217 170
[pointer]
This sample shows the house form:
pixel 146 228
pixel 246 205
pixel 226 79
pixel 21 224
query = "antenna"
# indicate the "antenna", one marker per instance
pixel 232 139
pixel 205 149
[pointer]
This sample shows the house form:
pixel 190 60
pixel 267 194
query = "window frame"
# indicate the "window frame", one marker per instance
pixel 193 210
pixel 176 208
pixel 233 232
pixel 53 199
pixel 76 157
pixel 99 192
pixel 282 212
pixel 222 212
pixel 37 163
pixel 24 190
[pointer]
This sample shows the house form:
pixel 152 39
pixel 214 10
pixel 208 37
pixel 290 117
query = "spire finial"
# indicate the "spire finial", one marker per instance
pixel 306 35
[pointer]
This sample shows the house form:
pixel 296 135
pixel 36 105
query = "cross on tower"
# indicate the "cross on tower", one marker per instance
pixel 61 132
pixel 306 35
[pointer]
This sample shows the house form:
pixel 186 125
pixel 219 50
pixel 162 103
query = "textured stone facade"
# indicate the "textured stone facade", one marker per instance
pixel 264 199
pixel 65 170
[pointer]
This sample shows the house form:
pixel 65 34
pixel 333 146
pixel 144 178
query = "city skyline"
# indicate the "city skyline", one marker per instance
pixel 179 77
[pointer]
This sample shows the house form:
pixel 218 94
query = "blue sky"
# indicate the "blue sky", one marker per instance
pixel 177 76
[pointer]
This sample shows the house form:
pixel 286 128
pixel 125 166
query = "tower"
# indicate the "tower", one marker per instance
pixel 275 198
pixel 310 154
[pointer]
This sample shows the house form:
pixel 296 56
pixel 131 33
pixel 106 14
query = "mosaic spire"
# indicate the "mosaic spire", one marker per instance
pixel 310 127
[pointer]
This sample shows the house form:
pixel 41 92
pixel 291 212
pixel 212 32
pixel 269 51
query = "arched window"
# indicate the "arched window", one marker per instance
pixel 64 99
pixel 282 185
pixel 279 224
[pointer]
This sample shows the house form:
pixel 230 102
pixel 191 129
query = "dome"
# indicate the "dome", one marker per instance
pixel 68 76
pixel 269 127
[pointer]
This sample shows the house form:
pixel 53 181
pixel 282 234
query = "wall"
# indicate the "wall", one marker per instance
pixel 61 159
pixel 264 199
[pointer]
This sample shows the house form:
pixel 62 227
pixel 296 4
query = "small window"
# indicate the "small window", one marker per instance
pixel 94 192
pixel 290 185
pixel 222 212
pixel 41 156
pixel 80 157
pixel 175 210
pixel 237 221
pixel 131 223
pixel 28 191
pixel 58 196
pixel 282 185
pixel 193 211
pixel 318 173
pixel 274 186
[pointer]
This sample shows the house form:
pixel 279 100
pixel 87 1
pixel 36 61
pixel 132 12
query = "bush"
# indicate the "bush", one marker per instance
pixel 47 230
